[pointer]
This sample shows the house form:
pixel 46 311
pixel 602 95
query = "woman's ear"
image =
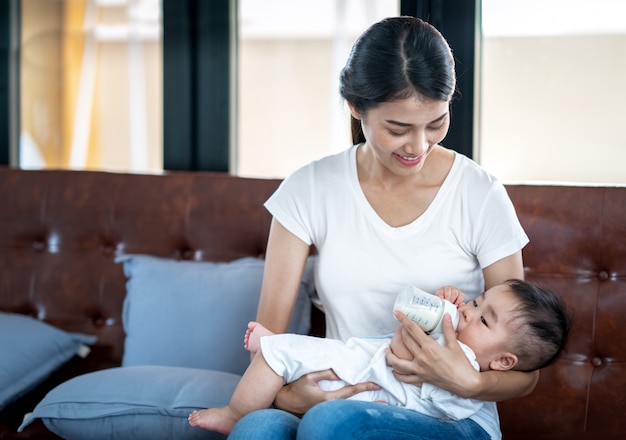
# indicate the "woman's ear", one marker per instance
pixel 354 112
pixel 503 362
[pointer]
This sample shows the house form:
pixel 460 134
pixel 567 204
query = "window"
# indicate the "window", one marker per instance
pixel 552 90
pixel 91 84
pixel 547 99
pixel 290 55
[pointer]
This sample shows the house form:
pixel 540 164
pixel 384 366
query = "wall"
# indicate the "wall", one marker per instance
pixel 553 108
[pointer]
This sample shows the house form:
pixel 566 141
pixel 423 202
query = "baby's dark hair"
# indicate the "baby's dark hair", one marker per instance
pixel 544 326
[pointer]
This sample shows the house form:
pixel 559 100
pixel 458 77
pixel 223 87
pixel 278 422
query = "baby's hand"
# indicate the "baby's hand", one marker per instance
pixel 452 294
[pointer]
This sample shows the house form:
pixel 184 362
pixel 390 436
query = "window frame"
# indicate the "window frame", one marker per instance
pixel 10 26
pixel 199 65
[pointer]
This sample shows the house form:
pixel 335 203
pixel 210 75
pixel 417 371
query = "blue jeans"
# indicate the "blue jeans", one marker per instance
pixel 349 419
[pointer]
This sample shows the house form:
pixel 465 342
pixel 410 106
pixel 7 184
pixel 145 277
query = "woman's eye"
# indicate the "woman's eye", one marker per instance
pixel 438 127
pixel 395 133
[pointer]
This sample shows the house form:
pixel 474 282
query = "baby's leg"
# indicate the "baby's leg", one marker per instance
pixel 221 420
pixel 252 339
pixel 257 389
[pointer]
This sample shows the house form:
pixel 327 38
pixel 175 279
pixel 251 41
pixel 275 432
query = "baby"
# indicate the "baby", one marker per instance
pixel 512 326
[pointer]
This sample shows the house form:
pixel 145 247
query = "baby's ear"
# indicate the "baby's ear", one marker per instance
pixel 504 361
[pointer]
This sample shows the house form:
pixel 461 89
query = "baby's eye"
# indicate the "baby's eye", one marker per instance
pixel 482 319
pixel 475 303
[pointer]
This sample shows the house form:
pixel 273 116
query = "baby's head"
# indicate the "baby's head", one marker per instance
pixel 515 326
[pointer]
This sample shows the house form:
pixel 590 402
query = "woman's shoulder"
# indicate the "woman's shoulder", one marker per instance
pixel 470 184
pixel 326 168
pixel 469 172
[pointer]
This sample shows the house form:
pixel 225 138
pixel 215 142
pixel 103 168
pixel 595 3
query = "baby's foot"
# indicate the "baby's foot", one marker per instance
pixel 252 339
pixel 219 420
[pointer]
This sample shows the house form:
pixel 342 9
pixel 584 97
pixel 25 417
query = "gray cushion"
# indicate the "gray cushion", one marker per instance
pixel 194 314
pixel 127 403
pixel 30 350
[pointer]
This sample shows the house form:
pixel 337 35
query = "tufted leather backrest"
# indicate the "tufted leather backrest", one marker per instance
pixel 577 248
pixel 61 230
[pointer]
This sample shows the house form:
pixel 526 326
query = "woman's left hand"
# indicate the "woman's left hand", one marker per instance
pixel 444 366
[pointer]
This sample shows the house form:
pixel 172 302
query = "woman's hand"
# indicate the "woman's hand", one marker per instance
pixel 444 366
pixel 300 396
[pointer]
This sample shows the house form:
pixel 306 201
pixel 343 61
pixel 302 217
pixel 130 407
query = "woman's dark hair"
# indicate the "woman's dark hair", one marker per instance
pixel 544 326
pixel 395 59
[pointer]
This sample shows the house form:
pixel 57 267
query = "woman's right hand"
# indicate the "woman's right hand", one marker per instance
pixel 301 395
pixel 444 366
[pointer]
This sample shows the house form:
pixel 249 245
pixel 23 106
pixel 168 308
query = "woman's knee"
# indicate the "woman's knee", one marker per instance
pixel 337 419
pixel 264 424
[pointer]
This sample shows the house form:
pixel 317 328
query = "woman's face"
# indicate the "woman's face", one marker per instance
pixel 401 134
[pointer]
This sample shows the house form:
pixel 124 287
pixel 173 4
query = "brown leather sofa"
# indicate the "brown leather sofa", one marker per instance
pixel 61 230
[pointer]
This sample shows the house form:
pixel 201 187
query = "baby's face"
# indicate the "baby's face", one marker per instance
pixel 484 324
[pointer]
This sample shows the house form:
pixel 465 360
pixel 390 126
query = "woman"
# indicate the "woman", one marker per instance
pixel 396 209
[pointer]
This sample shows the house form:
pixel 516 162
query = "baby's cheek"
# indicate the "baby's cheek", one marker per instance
pixel 464 336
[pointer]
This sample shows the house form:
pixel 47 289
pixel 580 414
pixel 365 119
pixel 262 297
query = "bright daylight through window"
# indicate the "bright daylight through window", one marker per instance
pixel 552 90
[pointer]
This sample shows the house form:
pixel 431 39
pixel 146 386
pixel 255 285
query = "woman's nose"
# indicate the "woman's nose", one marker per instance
pixel 418 144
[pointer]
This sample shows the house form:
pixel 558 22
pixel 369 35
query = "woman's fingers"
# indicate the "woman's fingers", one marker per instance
pixel 412 329
pixel 341 393
pixel 322 375
pixel 404 370
pixel 407 368
pixel 351 390
pixel 429 358
pixel 302 394
pixel 448 331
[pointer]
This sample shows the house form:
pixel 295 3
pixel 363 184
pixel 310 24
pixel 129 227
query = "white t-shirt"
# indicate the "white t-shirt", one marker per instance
pixel 364 262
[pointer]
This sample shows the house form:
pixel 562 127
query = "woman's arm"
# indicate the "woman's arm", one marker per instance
pixel 448 368
pixel 284 265
pixel 504 269
pixel 285 259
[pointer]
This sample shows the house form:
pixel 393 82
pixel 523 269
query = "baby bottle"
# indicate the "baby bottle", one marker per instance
pixel 425 309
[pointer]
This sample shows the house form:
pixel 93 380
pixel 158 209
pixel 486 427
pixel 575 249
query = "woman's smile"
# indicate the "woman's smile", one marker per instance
pixel 410 161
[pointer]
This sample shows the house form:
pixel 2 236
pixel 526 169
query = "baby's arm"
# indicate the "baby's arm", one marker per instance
pixel 452 294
